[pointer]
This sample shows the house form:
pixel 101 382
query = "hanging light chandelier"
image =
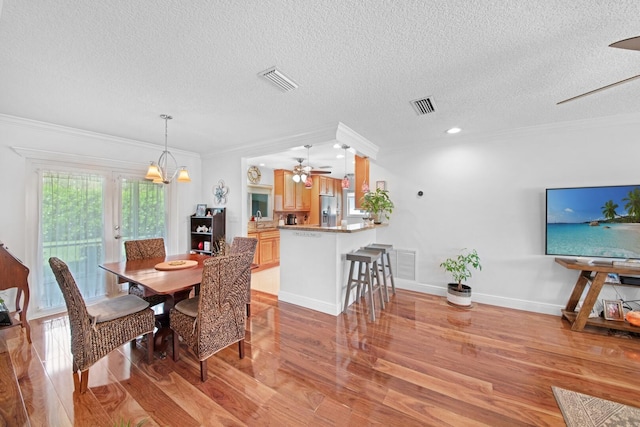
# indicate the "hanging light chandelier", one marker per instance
pixel 163 172
pixel 345 180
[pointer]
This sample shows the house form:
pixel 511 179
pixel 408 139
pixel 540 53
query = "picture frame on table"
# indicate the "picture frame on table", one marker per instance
pixel 612 310
pixel 381 185
pixel 201 209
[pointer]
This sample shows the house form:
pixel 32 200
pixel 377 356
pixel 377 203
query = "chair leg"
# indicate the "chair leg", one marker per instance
pixel 203 370
pixel 84 381
pixel 346 297
pixel 80 383
pixel 176 346
pixel 241 348
pixel 76 382
pixel 150 347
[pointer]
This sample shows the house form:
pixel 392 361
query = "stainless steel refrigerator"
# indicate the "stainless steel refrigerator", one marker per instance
pixel 328 211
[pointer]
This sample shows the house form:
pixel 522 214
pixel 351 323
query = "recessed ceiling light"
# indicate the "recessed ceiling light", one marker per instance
pixel 453 130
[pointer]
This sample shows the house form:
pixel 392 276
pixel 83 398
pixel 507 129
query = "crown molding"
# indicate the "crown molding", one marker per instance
pixel 45 127
pixel 328 134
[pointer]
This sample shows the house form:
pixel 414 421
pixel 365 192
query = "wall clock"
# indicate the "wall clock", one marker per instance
pixel 254 175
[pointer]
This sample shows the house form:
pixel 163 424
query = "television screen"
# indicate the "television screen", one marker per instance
pixel 601 222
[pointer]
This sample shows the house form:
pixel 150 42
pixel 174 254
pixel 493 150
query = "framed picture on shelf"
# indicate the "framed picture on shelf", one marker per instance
pixel 613 310
pixel 381 185
pixel 201 210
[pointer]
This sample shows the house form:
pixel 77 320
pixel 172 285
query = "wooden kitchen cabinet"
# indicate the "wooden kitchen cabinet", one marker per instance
pixel 361 177
pixel 288 194
pixel 326 186
pixel 268 249
pixel 256 254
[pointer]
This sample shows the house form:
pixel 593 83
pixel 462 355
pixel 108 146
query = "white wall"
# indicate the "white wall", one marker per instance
pixel 488 193
pixel 485 193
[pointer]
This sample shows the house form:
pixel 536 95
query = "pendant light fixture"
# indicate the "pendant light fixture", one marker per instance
pixel 345 180
pixel 160 172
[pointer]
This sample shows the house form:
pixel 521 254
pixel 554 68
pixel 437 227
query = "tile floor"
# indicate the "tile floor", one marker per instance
pixel 267 281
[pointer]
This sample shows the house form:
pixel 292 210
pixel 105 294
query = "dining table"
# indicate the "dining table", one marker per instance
pixel 169 276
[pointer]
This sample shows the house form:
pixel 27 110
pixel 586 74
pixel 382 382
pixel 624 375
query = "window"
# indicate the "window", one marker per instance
pixel 142 213
pixel 351 204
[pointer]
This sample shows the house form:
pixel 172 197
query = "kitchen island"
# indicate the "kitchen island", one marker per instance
pixel 313 271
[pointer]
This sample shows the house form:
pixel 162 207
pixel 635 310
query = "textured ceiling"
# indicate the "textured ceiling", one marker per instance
pixel 114 66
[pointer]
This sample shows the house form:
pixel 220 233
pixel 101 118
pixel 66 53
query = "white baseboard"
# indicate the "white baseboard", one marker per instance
pixel 309 303
pixel 519 304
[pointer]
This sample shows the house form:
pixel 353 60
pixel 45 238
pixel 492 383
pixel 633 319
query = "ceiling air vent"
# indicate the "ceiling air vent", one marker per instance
pixel 277 78
pixel 423 106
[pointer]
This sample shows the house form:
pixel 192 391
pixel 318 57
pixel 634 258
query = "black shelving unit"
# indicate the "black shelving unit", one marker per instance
pixel 207 242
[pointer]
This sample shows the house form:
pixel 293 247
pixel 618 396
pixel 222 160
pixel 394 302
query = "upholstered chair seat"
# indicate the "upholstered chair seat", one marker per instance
pixel 99 329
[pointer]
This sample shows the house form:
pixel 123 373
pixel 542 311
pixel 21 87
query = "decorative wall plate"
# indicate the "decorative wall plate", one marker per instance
pixel 220 193
pixel 254 175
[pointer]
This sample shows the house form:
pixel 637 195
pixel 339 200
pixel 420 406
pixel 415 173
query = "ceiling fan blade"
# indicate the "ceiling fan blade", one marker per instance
pixel 632 43
pixel 600 89
pixel 317 172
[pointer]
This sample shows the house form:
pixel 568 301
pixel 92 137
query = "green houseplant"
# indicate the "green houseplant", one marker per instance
pixel 378 204
pixel 460 269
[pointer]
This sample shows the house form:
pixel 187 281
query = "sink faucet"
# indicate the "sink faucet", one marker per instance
pixel 258 217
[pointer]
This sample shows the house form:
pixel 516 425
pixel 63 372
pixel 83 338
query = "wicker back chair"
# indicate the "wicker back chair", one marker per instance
pixel 135 250
pixel 240 245
pixel 216 318
pixel 101 328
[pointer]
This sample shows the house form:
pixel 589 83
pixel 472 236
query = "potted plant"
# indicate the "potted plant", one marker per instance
pixel 460 269
pixel 378 204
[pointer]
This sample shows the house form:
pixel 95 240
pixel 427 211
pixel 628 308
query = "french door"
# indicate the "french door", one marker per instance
pixel 84 218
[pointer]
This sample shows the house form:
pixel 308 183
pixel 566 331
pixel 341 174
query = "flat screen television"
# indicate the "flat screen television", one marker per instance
pixel 596 222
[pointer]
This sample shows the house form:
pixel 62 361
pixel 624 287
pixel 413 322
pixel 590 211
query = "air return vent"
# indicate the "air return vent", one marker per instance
pixel 279 79
pixel 423 106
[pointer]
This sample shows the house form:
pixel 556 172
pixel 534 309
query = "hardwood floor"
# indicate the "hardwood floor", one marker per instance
pixel 422 362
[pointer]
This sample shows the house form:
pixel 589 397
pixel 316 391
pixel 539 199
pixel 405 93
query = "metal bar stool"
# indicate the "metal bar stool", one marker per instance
pixel 367 266
pixel 385 265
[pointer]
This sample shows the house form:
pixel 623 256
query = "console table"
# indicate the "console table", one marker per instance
pixel 13 274
pixel 580 319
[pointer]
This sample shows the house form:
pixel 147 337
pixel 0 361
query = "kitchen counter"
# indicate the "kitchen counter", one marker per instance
pixel 313 270
pixel 351 228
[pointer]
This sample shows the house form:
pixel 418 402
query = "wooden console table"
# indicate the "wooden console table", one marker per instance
pixel 13 274
pixel 580 319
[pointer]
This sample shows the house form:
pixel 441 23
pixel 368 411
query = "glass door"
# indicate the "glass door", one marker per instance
pixel 139 212
pixel 84 218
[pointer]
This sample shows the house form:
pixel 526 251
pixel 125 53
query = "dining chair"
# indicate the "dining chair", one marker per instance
pixel 98 329
pixel 135 250
pixel 245 244
pixel 216 318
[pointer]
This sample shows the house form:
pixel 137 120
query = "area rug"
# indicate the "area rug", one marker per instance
pixel 582 410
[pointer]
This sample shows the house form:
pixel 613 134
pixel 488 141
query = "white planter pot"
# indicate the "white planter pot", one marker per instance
pixel 461 298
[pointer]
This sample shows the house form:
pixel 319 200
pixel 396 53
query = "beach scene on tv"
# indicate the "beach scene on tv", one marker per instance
pixel 599 222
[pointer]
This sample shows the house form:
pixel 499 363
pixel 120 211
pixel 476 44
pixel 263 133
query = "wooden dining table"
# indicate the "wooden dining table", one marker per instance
pixel 174 284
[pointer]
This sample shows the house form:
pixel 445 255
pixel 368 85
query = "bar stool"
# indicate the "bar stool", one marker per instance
pixel 385 265
pixel 367 267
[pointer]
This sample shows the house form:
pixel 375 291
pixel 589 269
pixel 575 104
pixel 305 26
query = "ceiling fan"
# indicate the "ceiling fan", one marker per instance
pixel 307 168
pixel 632 43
